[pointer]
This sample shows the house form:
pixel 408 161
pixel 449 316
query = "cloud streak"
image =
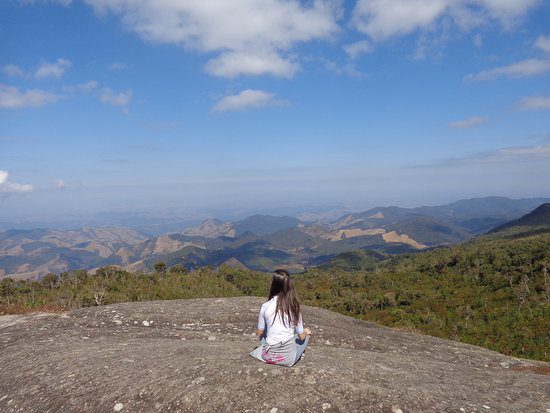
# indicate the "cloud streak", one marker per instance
pixel 13 71
pixel 354 50
pixel 116 66
pixel 534 103
pixel 467 123
pixel 246 99
pixel 525 68
pixel 14 98
pixel 511 154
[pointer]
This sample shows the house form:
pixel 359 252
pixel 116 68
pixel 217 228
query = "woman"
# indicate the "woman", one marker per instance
pixel 282 334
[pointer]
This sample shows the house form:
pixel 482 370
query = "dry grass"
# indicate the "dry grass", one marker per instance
pixel 539 369
pixel 17 309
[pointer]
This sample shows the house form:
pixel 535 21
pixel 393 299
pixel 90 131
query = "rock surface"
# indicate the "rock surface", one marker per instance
pixel 192 356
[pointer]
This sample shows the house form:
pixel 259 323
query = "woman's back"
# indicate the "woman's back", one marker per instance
pixel 279 327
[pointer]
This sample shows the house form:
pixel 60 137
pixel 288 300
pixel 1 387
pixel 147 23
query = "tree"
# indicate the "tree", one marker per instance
pixel 50 280
pixel 99 289
pixel 109 271
pixel 7 289
pixel 178 269
pixel 160 267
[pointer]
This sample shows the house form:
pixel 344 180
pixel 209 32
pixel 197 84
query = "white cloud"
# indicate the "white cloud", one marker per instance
pixel 121 99
pixel 382 19
pixel 354 50
pixel 6 186
pixel 534 103
pixel 54 70
pixel 246 99
pixel 13 98
pixel 45 70
pixel 232 64
pixel 508 155
pixel 60 184
pixel 520 151
pixel 543 43
pixel 13 71
pixel 261 32
pixel 467 123
pixel 525 68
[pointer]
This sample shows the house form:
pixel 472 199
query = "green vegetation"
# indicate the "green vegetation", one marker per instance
pixel 112 285
pixel 493 291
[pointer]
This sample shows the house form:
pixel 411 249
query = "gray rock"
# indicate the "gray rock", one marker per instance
pixel 84 361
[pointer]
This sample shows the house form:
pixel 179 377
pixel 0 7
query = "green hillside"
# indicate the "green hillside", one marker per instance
pixel 493 292
pixel 355 261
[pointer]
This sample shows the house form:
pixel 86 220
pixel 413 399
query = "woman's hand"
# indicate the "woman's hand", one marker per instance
pixel 307 332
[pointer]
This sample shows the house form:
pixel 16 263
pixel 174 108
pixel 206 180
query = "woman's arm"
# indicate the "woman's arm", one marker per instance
pixel 260 327
pixel 300 330
pixel 307 332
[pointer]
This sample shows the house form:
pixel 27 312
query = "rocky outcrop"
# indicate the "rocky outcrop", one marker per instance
pixel 192 356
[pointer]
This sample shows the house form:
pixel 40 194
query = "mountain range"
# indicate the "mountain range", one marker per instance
pixel 260 242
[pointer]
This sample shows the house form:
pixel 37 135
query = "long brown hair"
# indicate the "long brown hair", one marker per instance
pixel 287 299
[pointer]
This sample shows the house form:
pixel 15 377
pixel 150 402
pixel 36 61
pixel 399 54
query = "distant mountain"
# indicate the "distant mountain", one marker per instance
pixel 256 224
pixel 449 223
pixel 401 225
pixel 212 228
pixel 540 217
pixel 263 242
pixel 34 253
pixel 478 215
pixel 265 224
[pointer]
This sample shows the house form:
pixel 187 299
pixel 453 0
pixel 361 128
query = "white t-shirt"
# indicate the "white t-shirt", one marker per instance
pixel 277 331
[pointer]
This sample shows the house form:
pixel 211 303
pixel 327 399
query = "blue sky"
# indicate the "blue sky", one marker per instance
pixel 114 104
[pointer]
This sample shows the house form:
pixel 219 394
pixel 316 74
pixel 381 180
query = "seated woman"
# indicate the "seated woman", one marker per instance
pixel 283 336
